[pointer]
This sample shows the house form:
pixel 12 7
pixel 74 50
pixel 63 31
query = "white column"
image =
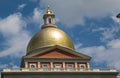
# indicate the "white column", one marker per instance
pixel 51 64
pixel 76 66
pixel 38 64
pixel 64 65
pixel 88 65
pixel 26 64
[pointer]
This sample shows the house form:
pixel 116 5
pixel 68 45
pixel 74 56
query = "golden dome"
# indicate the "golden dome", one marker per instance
pixel 49 35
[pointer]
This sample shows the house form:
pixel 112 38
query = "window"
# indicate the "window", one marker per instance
pixel 82 66
pixel 50 20
pixel 45 66
pixel 58 66
pixel 32 66
pixel 69 66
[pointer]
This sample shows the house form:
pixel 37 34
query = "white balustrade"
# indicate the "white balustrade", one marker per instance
pixel 56 70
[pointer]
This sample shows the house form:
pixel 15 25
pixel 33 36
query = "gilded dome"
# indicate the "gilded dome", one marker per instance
pixel 49 35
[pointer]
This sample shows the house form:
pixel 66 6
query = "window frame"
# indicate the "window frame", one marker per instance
pixel 82 66
pixel 43 66
pixel 33 65
pixel 70 66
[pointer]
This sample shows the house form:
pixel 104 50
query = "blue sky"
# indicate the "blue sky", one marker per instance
pixel 92 26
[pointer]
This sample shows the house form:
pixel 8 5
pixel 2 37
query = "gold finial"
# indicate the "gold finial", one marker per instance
pixel 48 10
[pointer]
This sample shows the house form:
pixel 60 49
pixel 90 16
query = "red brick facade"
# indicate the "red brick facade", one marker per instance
pixel 56 54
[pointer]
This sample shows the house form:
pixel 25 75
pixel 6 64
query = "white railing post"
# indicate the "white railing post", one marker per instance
pixel 26 64
pixel 51 68
pixel 76 66
pixel 64 70
pixel 63 66
pixel 88 65
pixel 38 65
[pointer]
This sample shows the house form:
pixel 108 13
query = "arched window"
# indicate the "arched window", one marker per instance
pixel 49 20
pixel 82 66
pixel 32 66
pixel 45 67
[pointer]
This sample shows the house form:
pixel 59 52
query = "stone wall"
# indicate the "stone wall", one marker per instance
pixel 60 75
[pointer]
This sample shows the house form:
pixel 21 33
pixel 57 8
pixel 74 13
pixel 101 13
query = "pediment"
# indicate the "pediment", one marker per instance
pixel 58 52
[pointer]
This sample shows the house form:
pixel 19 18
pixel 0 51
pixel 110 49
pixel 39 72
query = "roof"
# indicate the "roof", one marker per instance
pixel 46 49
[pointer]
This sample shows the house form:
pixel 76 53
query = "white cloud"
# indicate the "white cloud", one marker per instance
pixel 109 54
pixel 37 16
pixel 13 29
pixel 114 43
pixel 110 33
pixel 98 29
pixel 16 46
pixel 21 6
pixel 73 12
pixel 12 24
pixel 16 38
pixel 77 46
pixel 3 66
pixel 8 65
pixel 107 33
pixel 13 65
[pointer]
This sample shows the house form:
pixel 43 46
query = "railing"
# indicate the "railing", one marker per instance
pixel 56 70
